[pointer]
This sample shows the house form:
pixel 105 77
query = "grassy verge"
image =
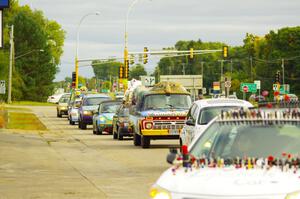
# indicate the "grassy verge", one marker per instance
pixel 24 121
pixel 2 117
pixel 30 103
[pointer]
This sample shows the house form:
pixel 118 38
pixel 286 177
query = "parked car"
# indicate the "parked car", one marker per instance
pixel 242 154
pixel 62 107
pixel 203 111
pixel 55 98
pixel 121 123
pixel 90 103
pixel 103 118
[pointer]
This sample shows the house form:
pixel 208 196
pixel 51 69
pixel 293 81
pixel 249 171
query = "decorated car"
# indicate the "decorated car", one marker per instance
pixel 73 111
pixel 103 117
pixel 158 112
pixel 203 111
pixel 251 154
pixel 90 103
pixel 121 123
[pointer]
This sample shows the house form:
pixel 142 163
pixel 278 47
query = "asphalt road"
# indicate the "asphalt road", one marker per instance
pixel 65 162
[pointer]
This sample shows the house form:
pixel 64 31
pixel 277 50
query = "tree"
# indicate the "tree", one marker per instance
pixel 137 71
pixel 106 69
pixel 33 74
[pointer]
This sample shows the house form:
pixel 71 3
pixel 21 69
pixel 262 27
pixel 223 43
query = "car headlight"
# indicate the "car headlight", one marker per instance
pixel 157 192
pixel 294 195
pixel 148 125
pixel 87 112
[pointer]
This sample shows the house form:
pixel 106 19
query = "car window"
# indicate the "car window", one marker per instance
pixel 92 101
pixel 109 107
pixel 239 139
pixel 209 113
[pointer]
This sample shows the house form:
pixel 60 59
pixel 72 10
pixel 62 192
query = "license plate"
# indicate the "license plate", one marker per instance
pixel 174 131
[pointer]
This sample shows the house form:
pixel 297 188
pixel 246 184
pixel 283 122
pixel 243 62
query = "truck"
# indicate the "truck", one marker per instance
pixel 158 112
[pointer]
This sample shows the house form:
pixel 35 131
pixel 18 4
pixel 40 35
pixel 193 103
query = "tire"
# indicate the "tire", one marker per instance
pixel 115 136
pixel 59 115
pixel 120 136
pixel 98 131
pixel 83 125
pixel 145 142
pixel 136 139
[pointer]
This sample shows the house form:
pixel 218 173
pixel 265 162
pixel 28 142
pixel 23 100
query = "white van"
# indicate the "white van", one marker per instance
pixel 203 111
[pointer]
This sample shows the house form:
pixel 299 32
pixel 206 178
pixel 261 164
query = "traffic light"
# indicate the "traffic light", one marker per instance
pixel 73 79
pixel 126 70
pixel 191 53
pixel 145 57
pixel 121 72
pixel 225 51
pixel 277 77
pixel 131 59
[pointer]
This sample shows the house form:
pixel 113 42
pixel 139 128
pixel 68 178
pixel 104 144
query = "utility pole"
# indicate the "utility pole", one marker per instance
pixel 282 65
pixel 11 60
pixel 251 65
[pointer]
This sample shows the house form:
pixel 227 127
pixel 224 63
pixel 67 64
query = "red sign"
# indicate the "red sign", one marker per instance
pixel 245 89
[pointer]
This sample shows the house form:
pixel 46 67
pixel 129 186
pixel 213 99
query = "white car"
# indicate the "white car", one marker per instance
pixel 203 111
pixel 55 98
pixel 241 155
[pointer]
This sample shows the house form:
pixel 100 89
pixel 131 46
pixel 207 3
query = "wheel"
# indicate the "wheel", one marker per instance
pixel 115 135
pixel 57 114
pixel 145 142
pixel 98 131
pixel 83 125
pixel 136 139
pixel 120 136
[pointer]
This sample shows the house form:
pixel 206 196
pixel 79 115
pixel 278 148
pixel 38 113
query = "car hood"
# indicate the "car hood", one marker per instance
pixel 63 104
pixel 163 112
pixel 90 108
pixel 230 182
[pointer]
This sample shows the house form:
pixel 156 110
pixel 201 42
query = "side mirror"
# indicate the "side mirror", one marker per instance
pixel 190 122
pixel 172 155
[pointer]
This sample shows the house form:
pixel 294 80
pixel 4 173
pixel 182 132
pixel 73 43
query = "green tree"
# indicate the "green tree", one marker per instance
pixel 35 72
pixel 137 71
pixel 106 69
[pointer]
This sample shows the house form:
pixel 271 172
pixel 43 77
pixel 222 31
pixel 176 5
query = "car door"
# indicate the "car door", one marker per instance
pixel 188 129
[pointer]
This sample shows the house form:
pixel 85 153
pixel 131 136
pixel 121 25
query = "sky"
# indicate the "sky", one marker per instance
pixel 157 24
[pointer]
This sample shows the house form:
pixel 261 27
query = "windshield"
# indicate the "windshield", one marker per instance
pixel 164 101
pixel 209 113
pixel 110 107
pixel 94 101
pixel 235 139
pixel 64 99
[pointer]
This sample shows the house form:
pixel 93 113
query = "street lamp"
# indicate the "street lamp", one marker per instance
pixel 17 57
pixel 76 56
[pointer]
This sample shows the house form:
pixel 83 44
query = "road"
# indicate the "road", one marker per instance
pixel 65 162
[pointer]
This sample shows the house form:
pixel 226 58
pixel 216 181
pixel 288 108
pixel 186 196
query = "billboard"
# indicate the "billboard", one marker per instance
pixel 4 3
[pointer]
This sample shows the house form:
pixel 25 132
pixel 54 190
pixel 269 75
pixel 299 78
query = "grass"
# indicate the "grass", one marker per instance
pixel 17 109
pixel 31 103
pixel 24 121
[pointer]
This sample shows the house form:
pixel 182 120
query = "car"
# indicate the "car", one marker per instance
pixel 202 111
pixel 55 98
pixel 257 98
pixel 251 154
pixel 121 123
pixel 290 97
pixel 73 111
pixel 103 118
pixel 90 103
pixel 62 107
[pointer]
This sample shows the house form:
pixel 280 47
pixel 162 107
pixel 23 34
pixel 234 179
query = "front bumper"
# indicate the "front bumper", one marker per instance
pixel 88 119
pixel 161 132
pixel 106 127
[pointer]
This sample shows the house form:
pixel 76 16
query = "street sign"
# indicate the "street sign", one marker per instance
pixel 4 3
pixel 248 87
pixel 2 87
pixel 257 82
pixel 276 87
pixel 228 84
pixel 216 87
pixel 284 89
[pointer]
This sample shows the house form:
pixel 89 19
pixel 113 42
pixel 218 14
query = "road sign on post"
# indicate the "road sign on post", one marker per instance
pixel 2 87
pixel 248 87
